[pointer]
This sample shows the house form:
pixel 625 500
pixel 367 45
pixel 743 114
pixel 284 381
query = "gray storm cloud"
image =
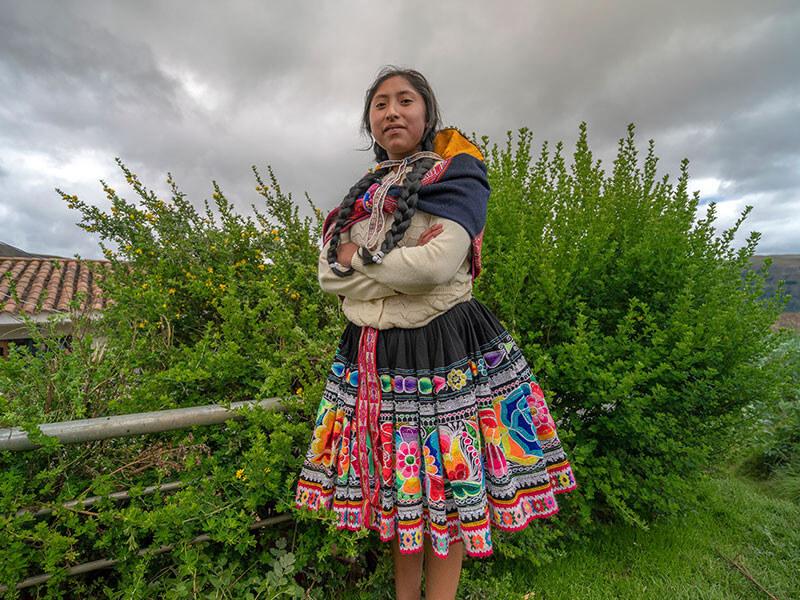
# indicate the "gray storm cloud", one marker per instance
pixel 206 91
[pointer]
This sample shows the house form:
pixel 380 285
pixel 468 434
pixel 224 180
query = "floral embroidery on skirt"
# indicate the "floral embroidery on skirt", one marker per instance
pixel 466 440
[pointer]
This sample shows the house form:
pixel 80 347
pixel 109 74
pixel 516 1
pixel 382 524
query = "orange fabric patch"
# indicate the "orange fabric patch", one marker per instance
pixel 450 141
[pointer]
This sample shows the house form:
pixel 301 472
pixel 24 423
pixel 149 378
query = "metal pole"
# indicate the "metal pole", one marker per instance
pixel 105 563
pixel 103 428
pixel 123 495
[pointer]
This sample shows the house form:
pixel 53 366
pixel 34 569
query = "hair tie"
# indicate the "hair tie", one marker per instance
pixel 367 257
pixel 336 268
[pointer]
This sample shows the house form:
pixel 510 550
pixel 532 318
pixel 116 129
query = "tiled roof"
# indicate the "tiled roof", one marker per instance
pixel 54 281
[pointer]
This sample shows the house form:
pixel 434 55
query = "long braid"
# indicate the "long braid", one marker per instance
pixel 406 202
pixel 345 209
pixel 406 205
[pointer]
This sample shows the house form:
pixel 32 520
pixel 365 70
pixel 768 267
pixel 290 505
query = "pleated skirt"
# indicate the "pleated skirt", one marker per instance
pixel 466 439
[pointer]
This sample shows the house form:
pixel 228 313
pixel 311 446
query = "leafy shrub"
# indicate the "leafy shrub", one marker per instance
pixel 644 327
pixel 773 456
pixel 205 308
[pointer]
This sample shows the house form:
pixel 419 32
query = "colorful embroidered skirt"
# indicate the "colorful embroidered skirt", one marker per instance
pixel 464 437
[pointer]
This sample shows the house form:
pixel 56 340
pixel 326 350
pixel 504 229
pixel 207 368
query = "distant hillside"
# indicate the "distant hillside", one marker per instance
pixel 9 250
pixel 787 268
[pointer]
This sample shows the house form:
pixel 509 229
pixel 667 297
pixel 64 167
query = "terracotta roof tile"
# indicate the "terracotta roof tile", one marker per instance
pixel 54 282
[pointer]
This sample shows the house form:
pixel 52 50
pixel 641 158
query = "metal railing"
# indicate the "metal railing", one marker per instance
pixel 102 428
pixel 105 563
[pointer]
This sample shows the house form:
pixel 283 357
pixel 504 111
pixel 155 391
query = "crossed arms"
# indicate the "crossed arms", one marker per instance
pixel 404 270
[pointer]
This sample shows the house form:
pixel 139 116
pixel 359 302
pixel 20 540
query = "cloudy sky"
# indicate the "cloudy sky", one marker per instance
pixel 205 90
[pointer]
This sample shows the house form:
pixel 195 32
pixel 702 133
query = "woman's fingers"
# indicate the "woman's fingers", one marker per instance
pixel 430 233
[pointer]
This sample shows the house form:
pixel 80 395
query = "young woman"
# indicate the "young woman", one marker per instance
pixel 431 427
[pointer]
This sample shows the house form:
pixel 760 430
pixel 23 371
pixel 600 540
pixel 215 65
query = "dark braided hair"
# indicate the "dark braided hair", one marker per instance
pixel 345 208
pixel 407 201
pixel 406 207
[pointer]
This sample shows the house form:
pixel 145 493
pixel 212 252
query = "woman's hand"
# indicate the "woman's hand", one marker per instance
pixel 344 253
pixel 430 233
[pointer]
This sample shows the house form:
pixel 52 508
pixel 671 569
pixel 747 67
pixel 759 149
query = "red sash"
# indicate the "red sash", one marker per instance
pixel 368 409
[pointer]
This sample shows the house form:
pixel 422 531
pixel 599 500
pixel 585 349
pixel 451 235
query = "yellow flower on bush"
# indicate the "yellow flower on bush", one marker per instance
pixel 240 475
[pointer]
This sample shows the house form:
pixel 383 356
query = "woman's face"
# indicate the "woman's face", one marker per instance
pixel 397 117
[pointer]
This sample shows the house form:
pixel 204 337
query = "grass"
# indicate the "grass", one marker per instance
pixel 744 543
pixel 686 557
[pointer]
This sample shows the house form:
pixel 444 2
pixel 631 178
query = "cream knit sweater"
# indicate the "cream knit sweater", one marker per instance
pixel 413 285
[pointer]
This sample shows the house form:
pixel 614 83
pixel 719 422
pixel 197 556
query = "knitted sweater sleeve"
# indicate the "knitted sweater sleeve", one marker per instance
pixel 356 286
pixel 419 269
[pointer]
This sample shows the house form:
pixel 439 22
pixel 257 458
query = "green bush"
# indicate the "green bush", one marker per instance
pixel 205 308
pixel 644 327
pixel 773 456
